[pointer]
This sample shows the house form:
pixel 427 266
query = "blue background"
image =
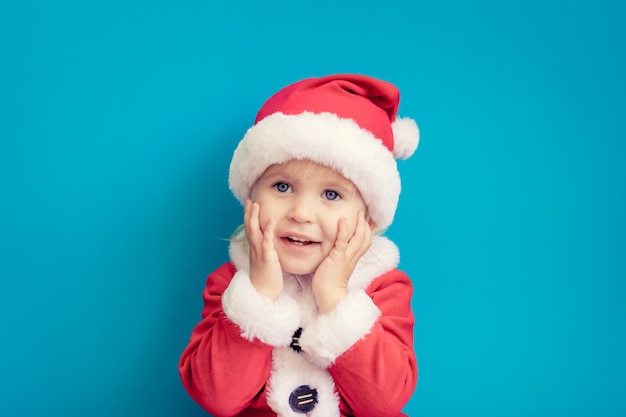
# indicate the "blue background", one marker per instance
pixel 117 123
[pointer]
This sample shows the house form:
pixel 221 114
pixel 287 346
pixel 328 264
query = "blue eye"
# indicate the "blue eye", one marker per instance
pixel 282 187
pixel 331 195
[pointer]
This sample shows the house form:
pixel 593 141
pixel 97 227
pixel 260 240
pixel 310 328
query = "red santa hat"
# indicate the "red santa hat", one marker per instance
pixel 346 122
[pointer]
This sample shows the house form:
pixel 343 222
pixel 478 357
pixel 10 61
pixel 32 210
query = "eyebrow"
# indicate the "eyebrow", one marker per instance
pixel 339 184
pixel 277 175
pixel 288 175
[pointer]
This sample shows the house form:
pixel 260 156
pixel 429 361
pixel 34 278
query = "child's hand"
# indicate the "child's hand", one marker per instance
pixel 330 281
pixel 266 274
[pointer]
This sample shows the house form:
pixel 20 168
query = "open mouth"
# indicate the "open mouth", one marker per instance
pixel 299 241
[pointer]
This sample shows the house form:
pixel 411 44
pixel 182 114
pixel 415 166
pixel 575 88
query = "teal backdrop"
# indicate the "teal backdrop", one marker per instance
pixel 117 123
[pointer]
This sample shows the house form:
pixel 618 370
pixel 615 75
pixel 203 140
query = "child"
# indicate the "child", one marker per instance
pixel 311 316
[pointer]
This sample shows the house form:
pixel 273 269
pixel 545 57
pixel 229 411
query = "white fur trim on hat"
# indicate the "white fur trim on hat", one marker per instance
pixel 406 137
pixel 329 140
pixel 272 322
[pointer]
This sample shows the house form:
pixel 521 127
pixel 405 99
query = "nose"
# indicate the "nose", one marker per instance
pixel 300 210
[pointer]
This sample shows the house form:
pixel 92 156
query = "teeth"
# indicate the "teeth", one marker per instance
pixel 297 240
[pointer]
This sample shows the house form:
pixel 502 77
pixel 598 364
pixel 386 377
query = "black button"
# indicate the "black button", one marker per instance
pixel 303 399
pixel 295 340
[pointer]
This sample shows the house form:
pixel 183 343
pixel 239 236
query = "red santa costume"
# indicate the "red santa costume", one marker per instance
pixel 253 356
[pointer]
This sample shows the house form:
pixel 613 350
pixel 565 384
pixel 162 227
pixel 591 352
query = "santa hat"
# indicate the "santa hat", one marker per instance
pixel 346 122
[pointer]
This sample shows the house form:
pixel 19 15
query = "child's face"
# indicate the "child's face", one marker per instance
pixel 306 200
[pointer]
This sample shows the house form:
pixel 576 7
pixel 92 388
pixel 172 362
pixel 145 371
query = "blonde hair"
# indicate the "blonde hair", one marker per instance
pixel 238 235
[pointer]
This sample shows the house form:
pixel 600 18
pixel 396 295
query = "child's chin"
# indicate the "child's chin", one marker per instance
pixel 300 272
pixel 297 270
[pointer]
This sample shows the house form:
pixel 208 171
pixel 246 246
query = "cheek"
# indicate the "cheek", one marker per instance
pixel 268 212
pixel 264 219
pixel 332 227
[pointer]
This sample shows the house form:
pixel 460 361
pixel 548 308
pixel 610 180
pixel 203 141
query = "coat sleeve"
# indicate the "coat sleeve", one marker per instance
pixel 211 366
pixel 227 362
pixel 366 343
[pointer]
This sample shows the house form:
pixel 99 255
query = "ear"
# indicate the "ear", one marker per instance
pixel 372 224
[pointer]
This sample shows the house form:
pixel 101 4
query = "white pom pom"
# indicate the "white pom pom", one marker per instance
pixel 406 136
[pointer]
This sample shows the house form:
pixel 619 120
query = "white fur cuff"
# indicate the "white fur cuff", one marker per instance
pixel 272 322
pixel 335 332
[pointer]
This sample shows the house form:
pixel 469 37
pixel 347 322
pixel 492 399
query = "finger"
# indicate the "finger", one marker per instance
pixel 343 235
pixel 246 216
pixel 268 234
pixel 251 222
pixel 268 241
pixel 361 239
pixel 359 231
pixel 369 232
